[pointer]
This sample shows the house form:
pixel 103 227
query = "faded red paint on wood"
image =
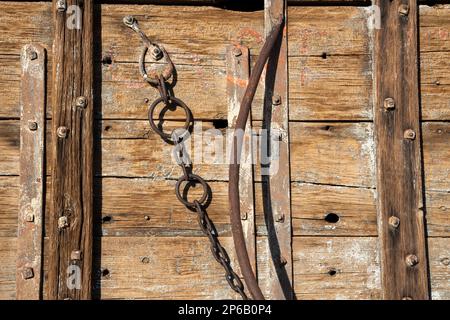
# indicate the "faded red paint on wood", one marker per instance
pixel 399 171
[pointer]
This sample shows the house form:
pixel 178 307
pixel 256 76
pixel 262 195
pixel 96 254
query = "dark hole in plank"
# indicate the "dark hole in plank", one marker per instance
pixel 331 217
pixel 220 124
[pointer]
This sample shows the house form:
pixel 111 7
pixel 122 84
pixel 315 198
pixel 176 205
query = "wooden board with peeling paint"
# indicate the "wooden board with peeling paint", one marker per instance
pixel 146 245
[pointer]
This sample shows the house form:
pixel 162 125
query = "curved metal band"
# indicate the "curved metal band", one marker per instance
pixel 233 189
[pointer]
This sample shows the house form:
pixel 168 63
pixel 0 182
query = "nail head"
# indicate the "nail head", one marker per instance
pixel 412 260
pixel 27 273
pixel 32 125
pixel 389 104
pixel 394 221
pixel 62 132
pixel 237 52
pixel 409 134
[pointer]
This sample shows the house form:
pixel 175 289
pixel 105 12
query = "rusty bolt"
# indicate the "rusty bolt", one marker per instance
pixel 29 217
pixel 389 104
pixel 81 102
pixel 32 55
pixel 237 52
pixel 32 125
pixel 75 255
pixel 61 5
pixel 279 217
pixel 128 20
pixel 145 260
pixel 276 99
pixel 147 218
pixel 394 222
pixel 157 53
pixel 403 9
pixel 409 134
pixel 62 132
pixel 411 260
pixel 63 222
pixel 244 215
pixel 27 273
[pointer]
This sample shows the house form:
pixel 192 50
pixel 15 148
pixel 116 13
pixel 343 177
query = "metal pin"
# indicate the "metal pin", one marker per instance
pixel 27 273
pixel 394 222
pixel 411 260
pixel 279 217
pixel 62 132
pixel 389 104
pixel 32 125
pixel 409 134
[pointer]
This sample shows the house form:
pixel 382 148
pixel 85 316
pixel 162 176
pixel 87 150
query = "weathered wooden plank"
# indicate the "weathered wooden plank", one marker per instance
pixel 71 216
pixel 161 268
pixel 9 206
pixel 399 172
pixel 238 72
pixel 275 177
pixel 332 153
pixel 32 173
pixel 8 269
pixel 336 268
pixel 439 257
pixel 434 23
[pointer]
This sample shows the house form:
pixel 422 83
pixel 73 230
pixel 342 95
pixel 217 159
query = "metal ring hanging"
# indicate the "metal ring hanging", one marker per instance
pixel 175 102
pixel 191 178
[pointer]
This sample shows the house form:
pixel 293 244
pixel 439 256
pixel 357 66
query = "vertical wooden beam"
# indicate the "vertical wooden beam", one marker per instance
pixel 399 172
pixel 31 203
pixel 70 223
pixel 276 185
pixel 238 72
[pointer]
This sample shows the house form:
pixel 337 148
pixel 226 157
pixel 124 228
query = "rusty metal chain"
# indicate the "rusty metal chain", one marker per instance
pixel 177 139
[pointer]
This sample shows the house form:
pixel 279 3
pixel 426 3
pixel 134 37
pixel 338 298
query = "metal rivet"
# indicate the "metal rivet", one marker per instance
pixel 394 222
pixel 409 134
pixel 276 99
pixel 62 132
pixel 61 5
pixel 27 273
pixel 403 9
pixel 63 222
pixel 244 215
pixel 279 217
pixel 81 102
pixel 157 54
pixel 32 125
pixel 75 255
pixel 237 52
pixel 389 104
pixel 147 218
pixel 411 260
pixel 146 100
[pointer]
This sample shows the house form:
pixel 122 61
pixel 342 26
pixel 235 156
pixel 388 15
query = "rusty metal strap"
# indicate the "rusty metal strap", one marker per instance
pixel 235 214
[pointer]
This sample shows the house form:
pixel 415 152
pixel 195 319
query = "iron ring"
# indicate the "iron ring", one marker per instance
pixel 191 178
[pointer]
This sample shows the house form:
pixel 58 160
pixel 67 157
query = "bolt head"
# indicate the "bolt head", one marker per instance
pixel 237 52
pixel 244 215
pixel 75 255
pixel 157 53
pixel 394 222
pixel 411 260
pixel 29 217
pixel 33 55
pixel 61 5
pixel 81 102
pixel 32 125
pixel 389 104
pixel 63 222
pixel 128 20
pixel 279 217
pixel 276 99
pixel 27 273
pixel 62 132
pixel 403 9
pixel 409 134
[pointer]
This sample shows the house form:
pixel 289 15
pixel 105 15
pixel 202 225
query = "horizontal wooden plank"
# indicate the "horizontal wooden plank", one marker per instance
pixel 330 268
pixel 434 24
pixel 332 153
pixel 8 269
pixel 161 268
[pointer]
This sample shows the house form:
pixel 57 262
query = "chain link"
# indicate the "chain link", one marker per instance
pixel 183 159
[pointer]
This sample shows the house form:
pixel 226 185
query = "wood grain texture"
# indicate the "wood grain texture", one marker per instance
pixel 71 215
pixel 399 171
pixel 8 269
pixel 32 173
pixel 439 257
